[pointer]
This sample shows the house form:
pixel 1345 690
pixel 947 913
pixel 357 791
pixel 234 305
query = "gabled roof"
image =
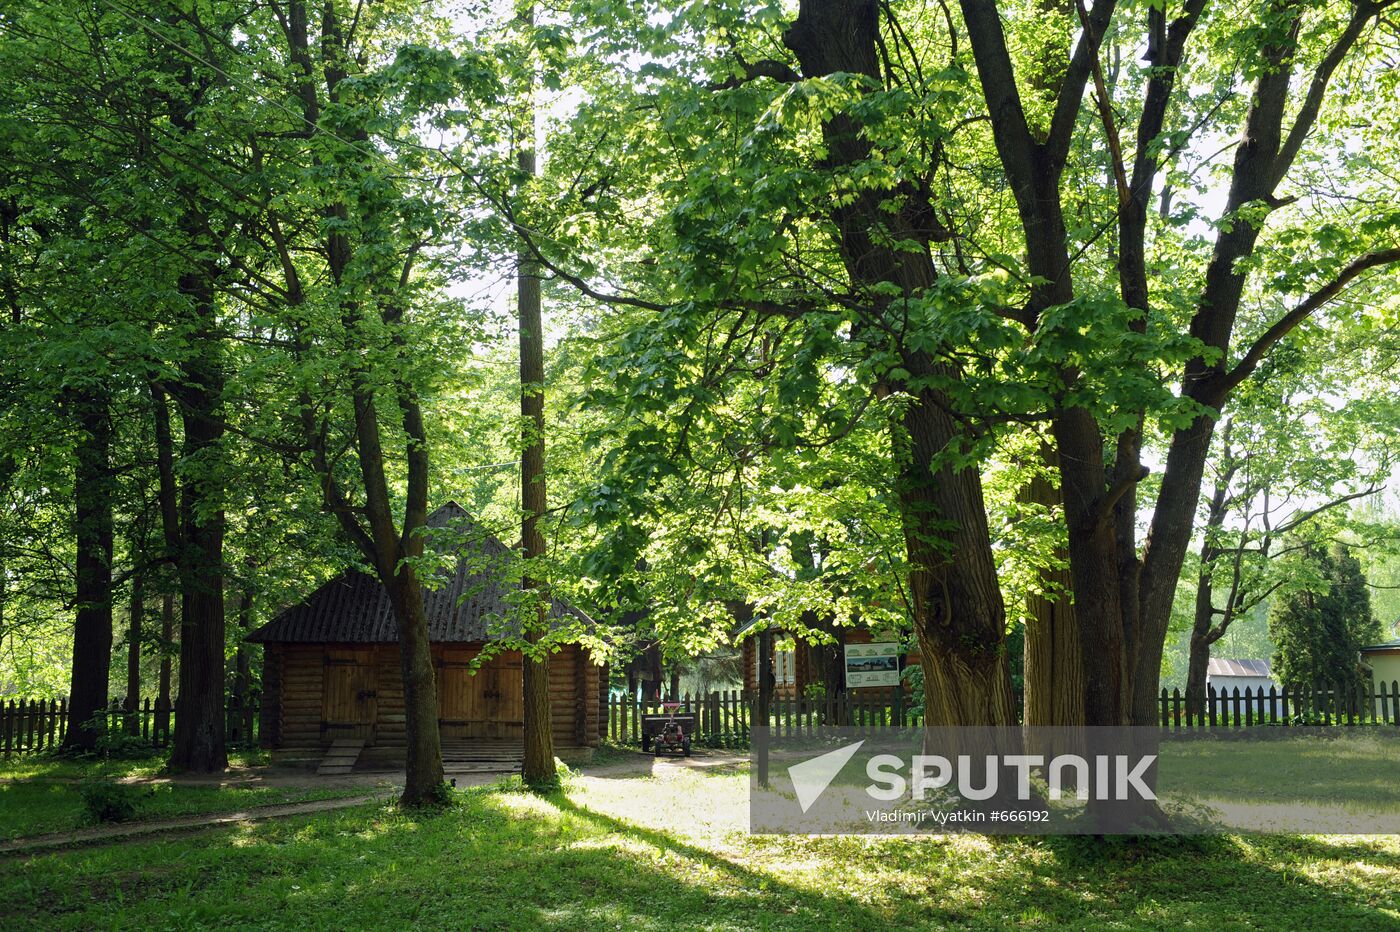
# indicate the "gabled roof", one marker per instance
pixel 470 604
pixel 1219 666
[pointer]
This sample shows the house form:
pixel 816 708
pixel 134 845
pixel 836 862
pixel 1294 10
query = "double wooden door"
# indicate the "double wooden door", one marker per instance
pixel 350 699
pixel 488 702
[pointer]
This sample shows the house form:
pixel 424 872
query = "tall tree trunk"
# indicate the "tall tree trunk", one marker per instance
pixel 370 526
pixel 242 668
pixel 133 655
pixel 194 534
pixel 957 608
pixel 538 768
pixel 198 743
pixel 167 638
pixel 193 522
pixel 1202 633
pixel 92 629
pixel 761 734
pixel 423 764
pixel 1262 159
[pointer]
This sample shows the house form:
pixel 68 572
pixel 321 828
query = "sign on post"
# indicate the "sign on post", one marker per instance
pixel 872 665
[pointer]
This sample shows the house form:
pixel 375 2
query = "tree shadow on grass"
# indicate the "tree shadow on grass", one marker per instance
pixel 1194 882
pixel 520 861
pixel 494 862
pixel 992 882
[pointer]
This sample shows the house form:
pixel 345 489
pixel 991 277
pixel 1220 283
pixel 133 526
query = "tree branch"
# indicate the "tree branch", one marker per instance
pixel 1361 14
pixel 1223 384
pixel 763 68
pixel 1086 53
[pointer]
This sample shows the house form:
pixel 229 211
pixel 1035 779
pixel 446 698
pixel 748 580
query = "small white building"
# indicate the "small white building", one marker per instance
pixel 1384 661
pixel 1226 676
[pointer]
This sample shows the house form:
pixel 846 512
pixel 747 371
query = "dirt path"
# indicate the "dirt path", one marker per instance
pixel 639 764
pixel 124 832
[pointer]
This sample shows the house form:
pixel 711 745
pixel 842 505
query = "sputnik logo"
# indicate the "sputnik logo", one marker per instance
pixel 811 778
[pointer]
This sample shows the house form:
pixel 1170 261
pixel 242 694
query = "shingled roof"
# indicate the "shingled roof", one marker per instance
pixel 470 605
pixel 1220 666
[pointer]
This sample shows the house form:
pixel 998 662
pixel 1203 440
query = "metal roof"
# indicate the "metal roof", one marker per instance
pixel 1220 666
pixel 1388 645
pixel 470 604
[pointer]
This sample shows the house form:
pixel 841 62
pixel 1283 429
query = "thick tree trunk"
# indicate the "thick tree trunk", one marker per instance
pixel 92 629
pixel 391 552
pixel 133 655
pixel 956 604
pixel 1093 551
pixel 828 660
pixel 957 608
pixel 1262 158
pixel 1054 674
pixel 423 764
pixel 198 743
pixel 1198 665
pixel 1170 535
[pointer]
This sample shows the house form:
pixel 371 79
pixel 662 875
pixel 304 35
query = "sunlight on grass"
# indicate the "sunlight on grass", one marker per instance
pixel 669 851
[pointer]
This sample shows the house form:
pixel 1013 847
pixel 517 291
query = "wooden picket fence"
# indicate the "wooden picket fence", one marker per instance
pixel 725 717
pixel 32 725
pixel 1318 704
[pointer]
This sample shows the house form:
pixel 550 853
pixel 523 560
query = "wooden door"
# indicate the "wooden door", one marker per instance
pixel 508 714
pixel 349 698
pixel 485 702
pixel 461 699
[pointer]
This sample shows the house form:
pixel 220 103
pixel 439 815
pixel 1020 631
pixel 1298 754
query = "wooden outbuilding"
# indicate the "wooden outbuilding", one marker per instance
pixel 798 665
pixel 331 662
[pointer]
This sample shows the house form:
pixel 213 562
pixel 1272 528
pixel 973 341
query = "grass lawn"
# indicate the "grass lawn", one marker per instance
pixel 41 795
pixel 618 850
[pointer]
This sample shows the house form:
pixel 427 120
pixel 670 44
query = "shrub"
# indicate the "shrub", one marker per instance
pixel 109 802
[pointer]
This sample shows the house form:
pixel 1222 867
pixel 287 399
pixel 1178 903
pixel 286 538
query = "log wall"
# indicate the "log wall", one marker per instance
pixel 294 683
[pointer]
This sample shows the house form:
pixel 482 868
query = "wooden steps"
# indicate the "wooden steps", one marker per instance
pixel 482 755
pixel 459 755
pixel 340 757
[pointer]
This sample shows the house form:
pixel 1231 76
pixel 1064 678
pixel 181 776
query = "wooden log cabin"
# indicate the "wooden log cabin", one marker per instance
pixel 331 662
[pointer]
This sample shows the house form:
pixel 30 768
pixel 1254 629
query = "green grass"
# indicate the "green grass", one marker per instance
pixel 670 852
pixel 55 767
pixel 43 795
